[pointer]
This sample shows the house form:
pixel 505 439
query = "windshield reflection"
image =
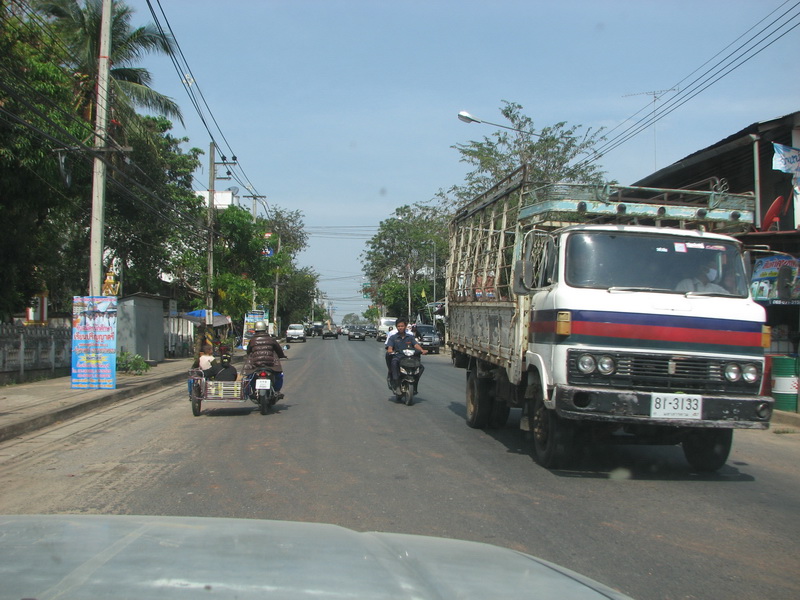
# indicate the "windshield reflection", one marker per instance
pixel 654 263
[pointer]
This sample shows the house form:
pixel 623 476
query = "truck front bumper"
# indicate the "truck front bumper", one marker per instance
pixel 627 406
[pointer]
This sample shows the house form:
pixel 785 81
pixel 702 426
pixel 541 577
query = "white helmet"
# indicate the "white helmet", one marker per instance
pixel 260 326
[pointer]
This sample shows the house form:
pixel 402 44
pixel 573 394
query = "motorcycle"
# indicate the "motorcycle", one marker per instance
pixel 262 386
pixel 263 389
pixel 410 370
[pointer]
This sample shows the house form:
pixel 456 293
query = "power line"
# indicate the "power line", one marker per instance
pixel 757 43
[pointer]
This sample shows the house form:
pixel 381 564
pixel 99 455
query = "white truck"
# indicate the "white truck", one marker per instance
pixel 615 314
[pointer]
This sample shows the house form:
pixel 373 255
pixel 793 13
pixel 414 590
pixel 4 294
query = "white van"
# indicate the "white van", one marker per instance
pixel 385 327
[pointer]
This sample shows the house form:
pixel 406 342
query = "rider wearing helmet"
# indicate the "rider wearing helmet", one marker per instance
pixel 264 352
pixel 398 342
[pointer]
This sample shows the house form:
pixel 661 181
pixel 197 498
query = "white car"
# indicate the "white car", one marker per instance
pixel 296 332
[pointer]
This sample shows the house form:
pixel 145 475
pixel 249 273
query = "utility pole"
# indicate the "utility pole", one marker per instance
pixel 99 170
pixel 408 266
pixel 255 199
pixel 212 175
pixel 275 299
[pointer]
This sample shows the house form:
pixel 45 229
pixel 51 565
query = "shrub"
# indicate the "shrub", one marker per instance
pixel 131 363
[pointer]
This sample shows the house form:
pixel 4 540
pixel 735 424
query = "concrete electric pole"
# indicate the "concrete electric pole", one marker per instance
pixel 99 170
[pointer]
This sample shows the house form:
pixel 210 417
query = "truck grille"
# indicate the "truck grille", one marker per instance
pixel 658 372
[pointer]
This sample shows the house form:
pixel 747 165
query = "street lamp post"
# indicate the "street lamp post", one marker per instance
pixel 433 244
pixel 468 118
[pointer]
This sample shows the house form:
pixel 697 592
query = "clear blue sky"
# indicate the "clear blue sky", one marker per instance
pixel 346 109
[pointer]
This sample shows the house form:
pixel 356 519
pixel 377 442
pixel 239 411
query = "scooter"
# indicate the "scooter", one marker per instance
pixel 410 370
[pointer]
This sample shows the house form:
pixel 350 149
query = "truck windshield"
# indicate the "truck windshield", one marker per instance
pixel 628 261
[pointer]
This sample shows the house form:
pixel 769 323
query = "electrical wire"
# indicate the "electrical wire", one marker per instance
pixel 746 51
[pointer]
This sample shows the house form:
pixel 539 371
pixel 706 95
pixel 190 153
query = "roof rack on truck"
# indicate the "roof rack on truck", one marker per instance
pixel 552 206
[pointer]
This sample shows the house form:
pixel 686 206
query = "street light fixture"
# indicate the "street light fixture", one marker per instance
pixel 468 118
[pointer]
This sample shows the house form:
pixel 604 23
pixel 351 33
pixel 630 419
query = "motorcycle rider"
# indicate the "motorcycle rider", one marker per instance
pixel 395 344
pixel 264 352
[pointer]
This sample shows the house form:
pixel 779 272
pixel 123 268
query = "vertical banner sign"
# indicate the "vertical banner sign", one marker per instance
pixel 94 342
pixel 249 327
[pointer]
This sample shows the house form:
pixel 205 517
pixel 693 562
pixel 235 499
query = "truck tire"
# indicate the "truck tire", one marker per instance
pixel 552 435
pixel 479 401
pixel 707 450
pixel 460 360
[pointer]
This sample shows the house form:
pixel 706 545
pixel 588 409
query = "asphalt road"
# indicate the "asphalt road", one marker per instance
pixel 339 450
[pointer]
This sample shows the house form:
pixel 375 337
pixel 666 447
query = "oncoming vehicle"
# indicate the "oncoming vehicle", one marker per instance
pixel 629 329
pixel 428 338
pixel 296 332
pixel 385 327
pixel 357 333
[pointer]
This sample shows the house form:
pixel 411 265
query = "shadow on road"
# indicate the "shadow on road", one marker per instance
pixel 596 460
pixel 240 411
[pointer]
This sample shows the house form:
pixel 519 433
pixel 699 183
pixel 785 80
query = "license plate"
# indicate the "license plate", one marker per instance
pixel 676 406
pixel 263 384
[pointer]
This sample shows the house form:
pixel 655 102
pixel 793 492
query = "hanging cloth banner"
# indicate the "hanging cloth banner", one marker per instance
pixel 787 159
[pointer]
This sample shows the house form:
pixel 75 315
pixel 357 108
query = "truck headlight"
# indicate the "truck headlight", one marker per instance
pixel 606 365
pixel 586 364
pixel 750 373
pixel 733 372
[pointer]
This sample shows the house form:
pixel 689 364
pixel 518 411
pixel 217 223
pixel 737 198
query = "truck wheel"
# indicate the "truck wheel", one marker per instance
pixel 707 450
pixel 460 360
pixel 479 401
pixel 552 436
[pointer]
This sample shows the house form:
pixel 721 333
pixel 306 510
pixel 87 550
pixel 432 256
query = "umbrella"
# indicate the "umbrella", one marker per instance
pixel 199 317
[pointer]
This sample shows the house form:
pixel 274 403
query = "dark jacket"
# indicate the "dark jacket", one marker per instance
pixel 264 351
pixel 226 373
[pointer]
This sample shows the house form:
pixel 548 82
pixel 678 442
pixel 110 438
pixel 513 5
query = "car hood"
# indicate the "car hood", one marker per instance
pixel 93 556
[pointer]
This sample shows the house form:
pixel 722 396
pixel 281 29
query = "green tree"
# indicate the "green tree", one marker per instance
pixel 78 25
pixel 297 295
pixel 399 258
pixel 36 123
pixel 552 156
pixel 154 219
pixel 243 268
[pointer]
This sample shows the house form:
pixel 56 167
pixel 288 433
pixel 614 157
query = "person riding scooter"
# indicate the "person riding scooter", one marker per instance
pixel 264 352
pixel 399 341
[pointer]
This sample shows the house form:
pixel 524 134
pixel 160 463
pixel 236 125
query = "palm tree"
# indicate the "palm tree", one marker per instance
pixel 79 29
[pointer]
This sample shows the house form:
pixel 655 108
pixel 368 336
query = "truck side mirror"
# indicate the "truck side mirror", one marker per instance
pixel 523 277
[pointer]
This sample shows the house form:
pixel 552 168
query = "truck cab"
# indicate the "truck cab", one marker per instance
pixel 617 314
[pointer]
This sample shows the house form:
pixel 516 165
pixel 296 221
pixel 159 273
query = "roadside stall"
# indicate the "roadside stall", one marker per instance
pixel 776 286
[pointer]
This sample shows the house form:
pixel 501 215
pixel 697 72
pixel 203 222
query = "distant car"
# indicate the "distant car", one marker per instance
pixel 296 332
pixel 357 333
pixel 429 338
pixel 346 329
pixel 371 330
pixel 385 328
pixel 330 333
